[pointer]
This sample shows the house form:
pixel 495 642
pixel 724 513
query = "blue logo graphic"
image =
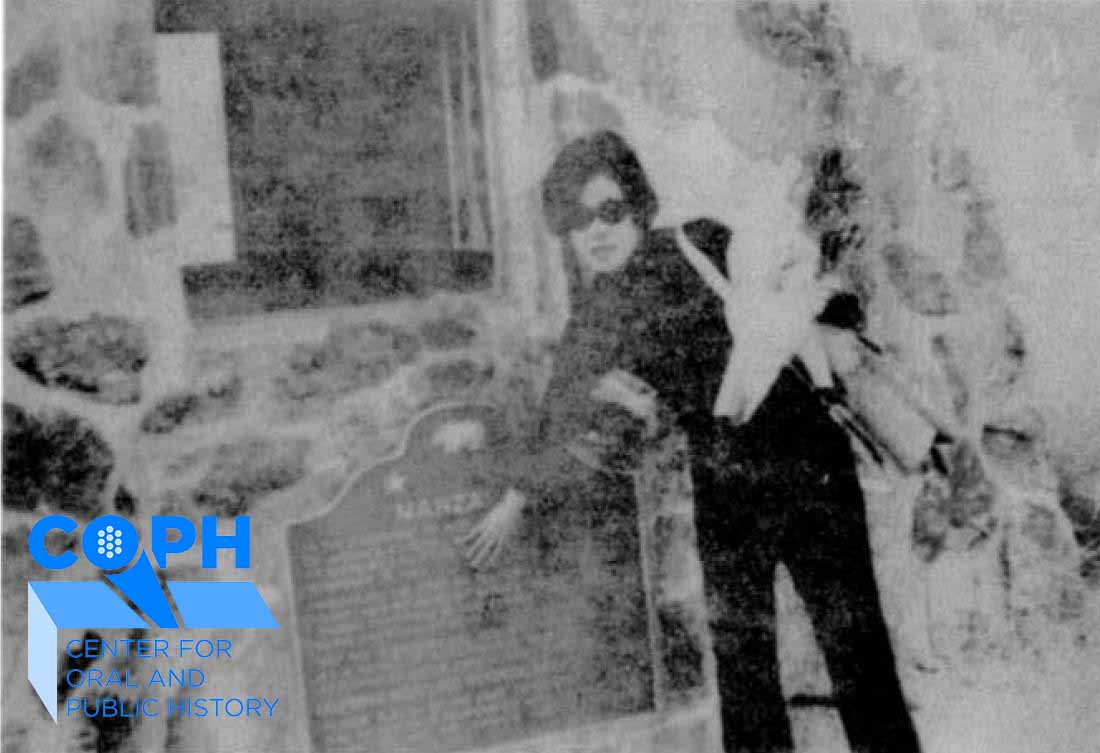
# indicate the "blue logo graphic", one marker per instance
pixel 111 543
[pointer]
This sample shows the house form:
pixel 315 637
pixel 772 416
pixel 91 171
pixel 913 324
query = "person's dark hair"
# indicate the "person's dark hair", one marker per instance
pixel 603 153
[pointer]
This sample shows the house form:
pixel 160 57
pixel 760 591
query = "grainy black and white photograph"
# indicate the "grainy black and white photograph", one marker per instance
pixel 551 376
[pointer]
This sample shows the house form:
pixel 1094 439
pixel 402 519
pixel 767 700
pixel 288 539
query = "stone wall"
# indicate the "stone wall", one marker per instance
pixel 94 318
pixel 91 312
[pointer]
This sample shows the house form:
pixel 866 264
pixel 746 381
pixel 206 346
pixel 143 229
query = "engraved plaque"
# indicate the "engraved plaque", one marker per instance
pixel 406 647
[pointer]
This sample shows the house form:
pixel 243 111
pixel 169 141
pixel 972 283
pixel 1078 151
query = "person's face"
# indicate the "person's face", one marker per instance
pixel 604 234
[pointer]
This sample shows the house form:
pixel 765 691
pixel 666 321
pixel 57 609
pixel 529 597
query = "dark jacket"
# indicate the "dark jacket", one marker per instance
pixel 657 319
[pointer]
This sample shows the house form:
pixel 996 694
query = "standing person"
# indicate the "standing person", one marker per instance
pixel 778 487
pixel 571 475
pixel 591 420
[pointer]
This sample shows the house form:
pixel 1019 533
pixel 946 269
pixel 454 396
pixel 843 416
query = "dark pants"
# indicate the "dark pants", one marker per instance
pixel 760 503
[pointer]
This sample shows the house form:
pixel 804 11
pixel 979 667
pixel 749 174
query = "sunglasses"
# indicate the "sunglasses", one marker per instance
pixel 610 212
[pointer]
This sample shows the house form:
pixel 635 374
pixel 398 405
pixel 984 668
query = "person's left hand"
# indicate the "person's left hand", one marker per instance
pixel 628 391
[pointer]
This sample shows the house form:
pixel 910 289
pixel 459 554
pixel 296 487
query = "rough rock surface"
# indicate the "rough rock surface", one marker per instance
pixel 149 185
pixel 26 272
pixel 217 393
pixel 351 357
pixel 35 78
pixel 456 378
pixel 447 334
pixel 55 461
pixel 64 166
pixel 120 69
pixel 100 356
pixel 246 471
pixel 955 506
pixel 920 284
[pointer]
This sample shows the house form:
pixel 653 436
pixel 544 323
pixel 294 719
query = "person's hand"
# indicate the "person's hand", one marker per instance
pixel 628 391
pixel 486 540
